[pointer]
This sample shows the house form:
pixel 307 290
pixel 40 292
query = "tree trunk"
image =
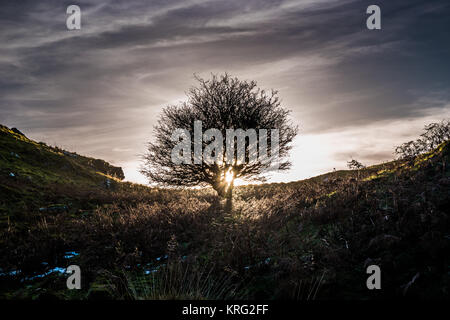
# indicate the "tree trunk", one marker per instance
pixel 221 191
pixel 229 197
pixel 226 192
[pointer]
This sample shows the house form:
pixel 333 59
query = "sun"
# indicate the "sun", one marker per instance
pixel 229 176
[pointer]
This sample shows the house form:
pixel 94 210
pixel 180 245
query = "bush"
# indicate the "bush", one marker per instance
pixel 354 165
pixel 435 134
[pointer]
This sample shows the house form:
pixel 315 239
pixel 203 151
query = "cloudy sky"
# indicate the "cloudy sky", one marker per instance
pixel 98 91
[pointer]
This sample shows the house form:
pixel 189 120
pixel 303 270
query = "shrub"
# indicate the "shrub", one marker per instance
pixel 435 134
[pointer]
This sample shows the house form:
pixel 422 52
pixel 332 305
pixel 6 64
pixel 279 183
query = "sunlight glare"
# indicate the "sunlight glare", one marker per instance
pixel 229 176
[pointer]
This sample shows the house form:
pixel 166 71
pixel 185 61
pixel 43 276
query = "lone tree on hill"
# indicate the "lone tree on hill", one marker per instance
pixel 355 165
pixel 222 103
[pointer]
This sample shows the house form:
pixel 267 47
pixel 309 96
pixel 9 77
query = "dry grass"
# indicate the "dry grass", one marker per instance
pixel 305 240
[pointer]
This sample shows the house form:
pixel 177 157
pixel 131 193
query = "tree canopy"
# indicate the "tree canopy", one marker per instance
pixel 224 104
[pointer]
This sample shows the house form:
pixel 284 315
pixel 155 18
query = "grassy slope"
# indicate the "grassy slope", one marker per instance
pixel 304 239
pixel 33 174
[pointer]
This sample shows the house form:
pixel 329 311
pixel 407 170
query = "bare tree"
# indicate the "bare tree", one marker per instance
pixel 355 165
pixel 222 103
pixel 434 134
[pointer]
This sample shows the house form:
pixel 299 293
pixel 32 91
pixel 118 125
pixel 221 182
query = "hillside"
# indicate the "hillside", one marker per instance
pixel 33 175
pixel 309 239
